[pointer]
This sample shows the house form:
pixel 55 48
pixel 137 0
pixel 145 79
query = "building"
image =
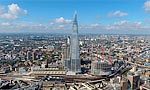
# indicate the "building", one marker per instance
pixel 100 68
pixel 41 72
pixel 74 64
pixel 124 85
pixel 134 80
pixel 66 55
pixel 29 55
pixel 134 69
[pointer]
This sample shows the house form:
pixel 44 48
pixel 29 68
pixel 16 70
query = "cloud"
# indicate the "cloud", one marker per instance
pixel 95 25
pixel 147 6
pixel 62 20
pixel 124 25
pixel 2 9
pixel 12 13
pixel 120 27
pixel 5 24
pixel 117 14
pixel 32 27
pixel 15 9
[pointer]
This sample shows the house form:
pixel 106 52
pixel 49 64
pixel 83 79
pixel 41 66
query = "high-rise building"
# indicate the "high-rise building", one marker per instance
pixel 74 64
pixel 74 49
pixel 29 55
pixel 65 53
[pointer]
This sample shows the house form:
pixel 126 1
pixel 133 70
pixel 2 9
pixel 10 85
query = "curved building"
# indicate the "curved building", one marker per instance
pixel 100 68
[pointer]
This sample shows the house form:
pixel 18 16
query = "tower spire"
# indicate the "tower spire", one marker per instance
pixel 75 16
pixel 75 23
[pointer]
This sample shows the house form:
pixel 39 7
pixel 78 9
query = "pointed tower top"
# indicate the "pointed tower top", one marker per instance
pixel 75 16
pixel 75 12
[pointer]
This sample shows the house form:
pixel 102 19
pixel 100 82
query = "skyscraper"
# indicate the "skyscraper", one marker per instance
pixel 74 62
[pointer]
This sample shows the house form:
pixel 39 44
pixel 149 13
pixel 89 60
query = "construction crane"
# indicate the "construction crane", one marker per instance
pixel 103 51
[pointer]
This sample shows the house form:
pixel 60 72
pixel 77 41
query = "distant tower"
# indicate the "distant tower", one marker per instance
pixel 66 55
pixel 68 40
pixel 29 55
pixel 74 48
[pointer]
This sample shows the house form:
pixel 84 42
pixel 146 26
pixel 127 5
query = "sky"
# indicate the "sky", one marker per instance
pixel 94 16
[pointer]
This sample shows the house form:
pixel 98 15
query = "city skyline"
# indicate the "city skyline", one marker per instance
pixel 95 16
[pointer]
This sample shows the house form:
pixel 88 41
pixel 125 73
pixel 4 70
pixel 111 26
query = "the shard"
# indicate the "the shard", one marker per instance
pixel 75 63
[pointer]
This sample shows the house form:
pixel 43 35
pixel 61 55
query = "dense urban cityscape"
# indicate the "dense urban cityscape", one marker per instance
pixel 39 51
pixel 74 62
